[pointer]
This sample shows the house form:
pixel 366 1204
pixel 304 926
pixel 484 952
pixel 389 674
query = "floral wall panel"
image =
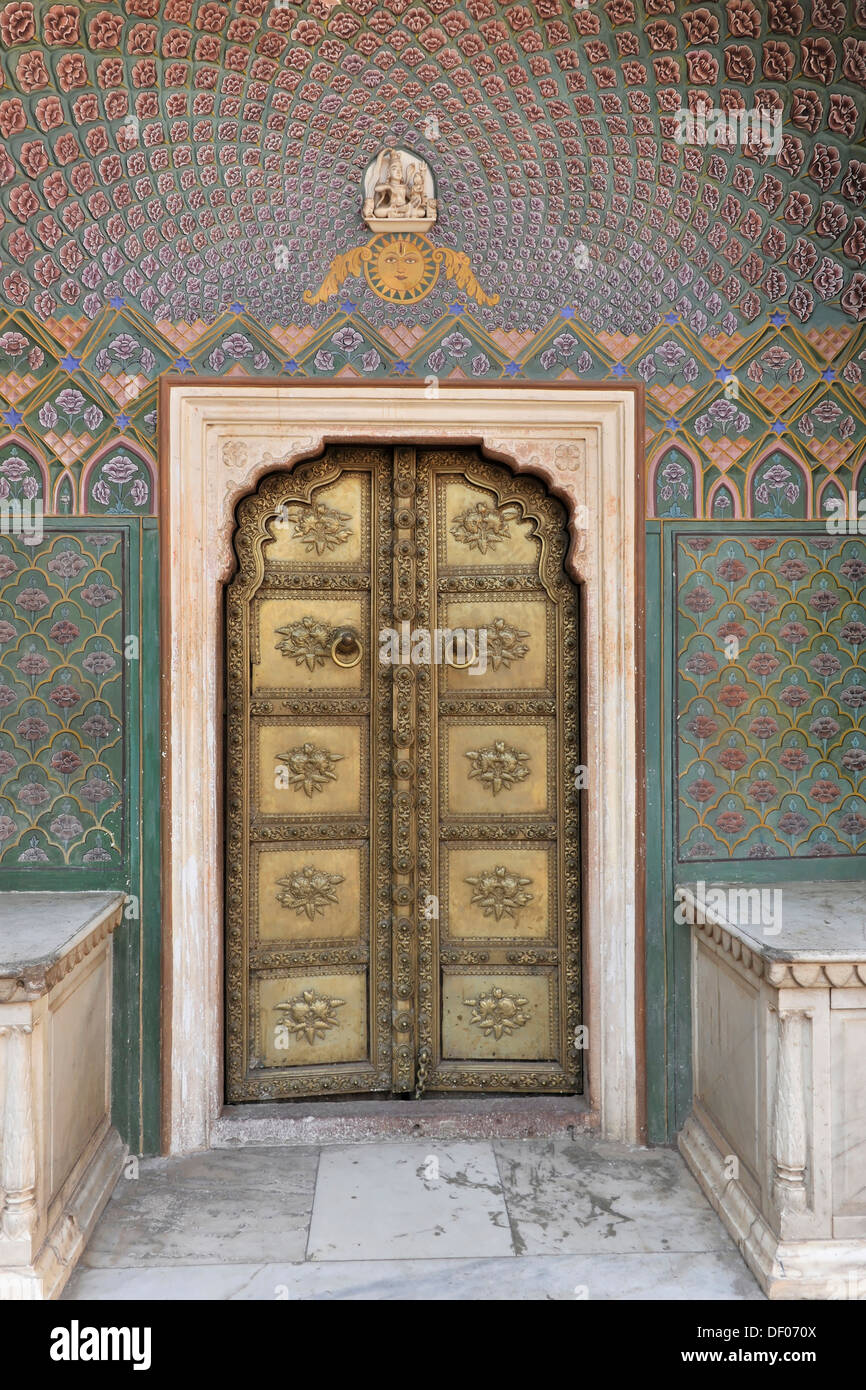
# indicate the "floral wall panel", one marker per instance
pixel 770 696
pixel 62 706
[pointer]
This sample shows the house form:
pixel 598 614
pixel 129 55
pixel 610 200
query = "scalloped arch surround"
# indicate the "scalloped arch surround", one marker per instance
pixel 218 442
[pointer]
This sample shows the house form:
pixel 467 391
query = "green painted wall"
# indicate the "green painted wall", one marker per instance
pixel 80 611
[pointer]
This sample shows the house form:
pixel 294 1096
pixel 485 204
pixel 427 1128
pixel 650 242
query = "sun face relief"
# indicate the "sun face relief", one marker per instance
pixel 401 268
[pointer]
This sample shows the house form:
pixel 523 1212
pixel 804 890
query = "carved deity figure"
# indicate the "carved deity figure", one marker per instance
pixel 390 194
pixel 417 200
pixel 398 192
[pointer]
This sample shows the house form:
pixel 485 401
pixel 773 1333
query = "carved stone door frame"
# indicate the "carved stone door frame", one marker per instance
pixel 217 440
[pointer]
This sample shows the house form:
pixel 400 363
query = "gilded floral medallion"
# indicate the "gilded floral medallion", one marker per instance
pixel 505 644
pixel 318 527
pixel 497 1012
pixel 309 891
pixel 308 641
pixel 311 1015
pixel 482 527
pixel 310 768
pixel 498 892
pixel 498 767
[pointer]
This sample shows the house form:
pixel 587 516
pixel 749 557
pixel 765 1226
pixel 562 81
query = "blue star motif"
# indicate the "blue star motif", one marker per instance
pixel 116 301
pixel 778 320
pixel 455 309
pixel 401 367
pixel 237 309
pixel 182 364
pixel 672 318
pixel 779 427
pixel 348 307
pixel 290 366
pixel 722 374
pixel 618 370
pixel 566 313
pixel 672 424
pixel 70 363
pixel 512 369
pixel 122 421
pixel 828 374
pixel 12 417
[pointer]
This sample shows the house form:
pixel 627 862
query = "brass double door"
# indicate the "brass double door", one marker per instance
pixel 402 865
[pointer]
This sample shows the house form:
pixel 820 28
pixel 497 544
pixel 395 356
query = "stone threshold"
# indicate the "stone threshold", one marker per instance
pixel 375 1121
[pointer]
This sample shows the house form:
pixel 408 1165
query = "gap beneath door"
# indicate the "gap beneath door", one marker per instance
pixel 372 1121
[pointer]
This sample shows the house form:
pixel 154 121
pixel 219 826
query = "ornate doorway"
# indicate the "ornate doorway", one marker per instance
pixel 402 861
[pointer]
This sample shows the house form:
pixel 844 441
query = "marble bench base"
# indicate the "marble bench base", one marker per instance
pixel 46 1276
pixel 785 1269
pixel 777 1134
pixel 59 1154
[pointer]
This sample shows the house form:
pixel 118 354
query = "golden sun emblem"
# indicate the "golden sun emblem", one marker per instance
pixel 401 268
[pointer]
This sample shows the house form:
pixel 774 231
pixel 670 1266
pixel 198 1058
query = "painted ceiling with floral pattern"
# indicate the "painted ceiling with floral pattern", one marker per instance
pixel 158 151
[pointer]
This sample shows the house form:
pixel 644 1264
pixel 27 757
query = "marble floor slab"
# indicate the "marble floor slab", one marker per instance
pixel 399 1201
pixel 573 1198
pixel 226 1206
pixel 718 1276
pixel 415 1221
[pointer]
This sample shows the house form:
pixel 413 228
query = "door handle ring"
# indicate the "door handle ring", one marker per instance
pixel 346 648
pixel 461 665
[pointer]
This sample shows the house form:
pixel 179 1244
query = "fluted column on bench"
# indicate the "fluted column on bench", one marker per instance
pixel 790 1149
pixel 19 1148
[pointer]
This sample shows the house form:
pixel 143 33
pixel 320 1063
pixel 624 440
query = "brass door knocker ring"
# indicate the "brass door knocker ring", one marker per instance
pixel 346 648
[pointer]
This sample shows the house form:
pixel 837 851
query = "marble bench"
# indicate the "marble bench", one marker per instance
pixel 59 1155
pixel 777 1134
